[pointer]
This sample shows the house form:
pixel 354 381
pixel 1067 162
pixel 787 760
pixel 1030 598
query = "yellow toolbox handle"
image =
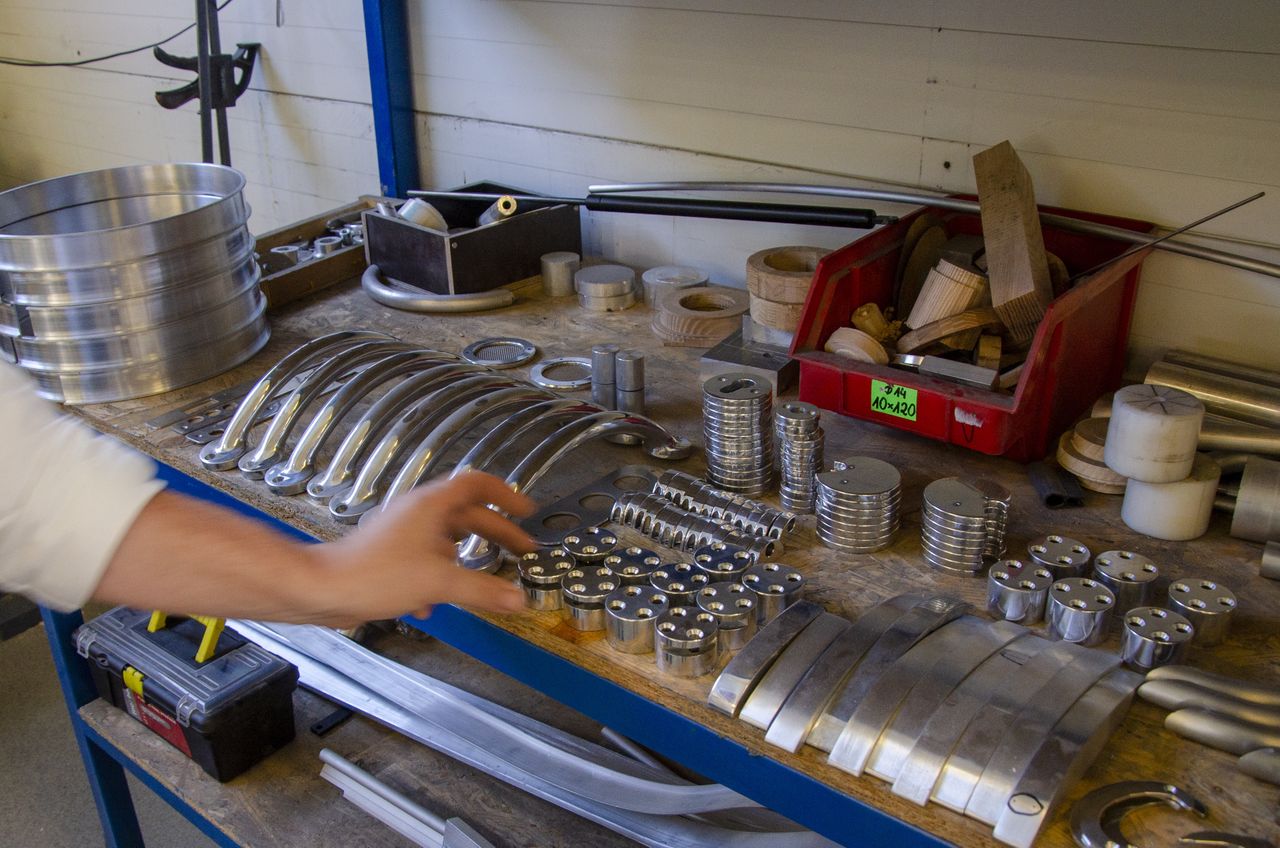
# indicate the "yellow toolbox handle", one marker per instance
pixel 212 632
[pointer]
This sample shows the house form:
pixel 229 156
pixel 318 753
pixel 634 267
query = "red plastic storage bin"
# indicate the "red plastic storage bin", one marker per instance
pixel 1078 352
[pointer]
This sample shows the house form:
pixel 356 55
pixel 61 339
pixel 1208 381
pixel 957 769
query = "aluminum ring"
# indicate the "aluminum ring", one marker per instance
pixel 538 374
pixel 505 352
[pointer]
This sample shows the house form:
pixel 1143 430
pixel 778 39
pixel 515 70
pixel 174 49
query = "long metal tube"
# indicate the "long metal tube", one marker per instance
pixel 685 207
pixel 1227 396
pixel 1239 438
pixel 1233 260
pixel 1223 366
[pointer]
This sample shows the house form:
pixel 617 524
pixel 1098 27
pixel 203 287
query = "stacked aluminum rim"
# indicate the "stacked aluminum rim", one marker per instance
pixel 800 442
pixel 962 522
pixel 737 423
pixel 128 281
pixel 857 505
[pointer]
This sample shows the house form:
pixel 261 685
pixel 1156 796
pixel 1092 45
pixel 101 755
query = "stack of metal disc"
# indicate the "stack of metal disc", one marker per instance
pixel 737 422
pixel 857 505
pixel 962 522
pixel 130 281
pixel 800 441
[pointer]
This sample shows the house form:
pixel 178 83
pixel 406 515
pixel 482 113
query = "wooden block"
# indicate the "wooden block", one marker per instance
pixel 944 295
pixel 988 352
pixel 1021 289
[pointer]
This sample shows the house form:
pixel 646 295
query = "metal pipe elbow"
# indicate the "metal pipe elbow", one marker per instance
pixel 398 295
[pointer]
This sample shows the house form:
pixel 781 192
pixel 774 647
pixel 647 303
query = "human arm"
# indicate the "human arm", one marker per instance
pixel 185 555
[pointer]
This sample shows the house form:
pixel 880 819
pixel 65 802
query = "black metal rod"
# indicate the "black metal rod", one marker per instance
pixel 777 213
pixel 221 83
pixel 205 81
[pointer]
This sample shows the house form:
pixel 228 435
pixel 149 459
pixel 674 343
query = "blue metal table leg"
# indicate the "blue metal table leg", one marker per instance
pixel 106 777
pixel 386 33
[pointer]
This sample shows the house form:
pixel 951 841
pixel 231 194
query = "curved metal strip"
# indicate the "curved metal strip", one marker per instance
pixel 1063 756
pixel 424 415
pixel 289 477
pixel 221 455
pixel 270 448
pixel 400 295
pixel 337 475
pixel 427 455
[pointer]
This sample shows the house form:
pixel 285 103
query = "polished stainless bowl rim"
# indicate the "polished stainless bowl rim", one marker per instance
pixel 109 245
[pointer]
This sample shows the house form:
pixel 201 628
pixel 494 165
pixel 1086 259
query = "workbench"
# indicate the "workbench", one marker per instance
pixel 283 801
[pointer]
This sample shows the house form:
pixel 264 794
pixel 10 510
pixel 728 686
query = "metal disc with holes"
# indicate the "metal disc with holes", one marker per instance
pixel 563 373
pixel 499 352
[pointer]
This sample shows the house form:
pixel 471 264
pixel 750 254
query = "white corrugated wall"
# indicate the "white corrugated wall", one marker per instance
pixel 1163 111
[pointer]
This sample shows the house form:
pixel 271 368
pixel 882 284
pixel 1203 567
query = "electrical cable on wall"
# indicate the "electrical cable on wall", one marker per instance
pixel 29 63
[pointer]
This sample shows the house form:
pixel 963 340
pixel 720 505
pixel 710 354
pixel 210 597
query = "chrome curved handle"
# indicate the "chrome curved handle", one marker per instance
pixel 478 554
pixel 270 447
pixel 425 414
pixel 221 455
pixel 427 455
pixel 337 475
pixel 289 477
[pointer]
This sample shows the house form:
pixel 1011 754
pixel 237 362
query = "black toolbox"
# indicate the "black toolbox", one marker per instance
pixel 226 713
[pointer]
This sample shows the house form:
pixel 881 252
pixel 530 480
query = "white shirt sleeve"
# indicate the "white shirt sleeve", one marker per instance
pixel 67 497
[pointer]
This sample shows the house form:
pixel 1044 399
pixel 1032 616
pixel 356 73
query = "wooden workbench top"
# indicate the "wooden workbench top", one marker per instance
pixel 844 584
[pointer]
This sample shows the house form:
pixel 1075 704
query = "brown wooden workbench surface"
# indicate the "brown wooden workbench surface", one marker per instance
pixel 845 584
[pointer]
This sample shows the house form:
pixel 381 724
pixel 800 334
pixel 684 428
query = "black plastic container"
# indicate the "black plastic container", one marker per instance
pixel 227 713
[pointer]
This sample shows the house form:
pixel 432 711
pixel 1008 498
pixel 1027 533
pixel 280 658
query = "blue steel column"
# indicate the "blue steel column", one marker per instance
pixel 386 33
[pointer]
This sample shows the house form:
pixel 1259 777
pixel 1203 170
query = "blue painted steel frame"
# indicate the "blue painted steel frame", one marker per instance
pixel 386 33
pixel 788 791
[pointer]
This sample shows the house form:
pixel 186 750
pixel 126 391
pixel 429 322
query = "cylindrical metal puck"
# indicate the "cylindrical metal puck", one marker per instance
pixel 605 280
pixel 667 277
pixel 558 269
pixel 1079 611
pixel 540 574
pixel 686 642
pixel 604 395
pixel 1062 556
pixel 1130 576
pixel 1270 565
pixel 800 442
pixel 953 526
pixel 630 613
pixel 1207 604
pixel 606 303
pixel 1154 637
pixel 325 245
pixel 632 402
pixel 737 424
pixel 288 252
pixel 857 505
pixel 604 364
pixel 734 606
pixel 776 587
pixel 679 581
pixel 633 564
pixel 585 589
pixel 1017 591
pixel 722 561
pixel 1257 513
pixel 1153 433
pixel 629 374
pixel 590 544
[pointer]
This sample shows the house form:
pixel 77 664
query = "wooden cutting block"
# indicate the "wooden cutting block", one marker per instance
pixel 1021 289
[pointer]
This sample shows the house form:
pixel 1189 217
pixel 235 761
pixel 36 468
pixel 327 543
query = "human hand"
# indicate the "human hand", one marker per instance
pixel 405 559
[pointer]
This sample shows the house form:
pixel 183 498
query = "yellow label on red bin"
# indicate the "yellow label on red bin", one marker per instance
pixel 892 399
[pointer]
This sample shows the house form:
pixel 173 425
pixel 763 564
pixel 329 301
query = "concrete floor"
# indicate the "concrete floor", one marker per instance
pixel 44 796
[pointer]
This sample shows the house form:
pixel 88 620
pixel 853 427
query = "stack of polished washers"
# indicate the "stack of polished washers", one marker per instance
pixel 962 522
pixel 857 505
pixel 737 422
pixel 800 441
pixel 130 281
